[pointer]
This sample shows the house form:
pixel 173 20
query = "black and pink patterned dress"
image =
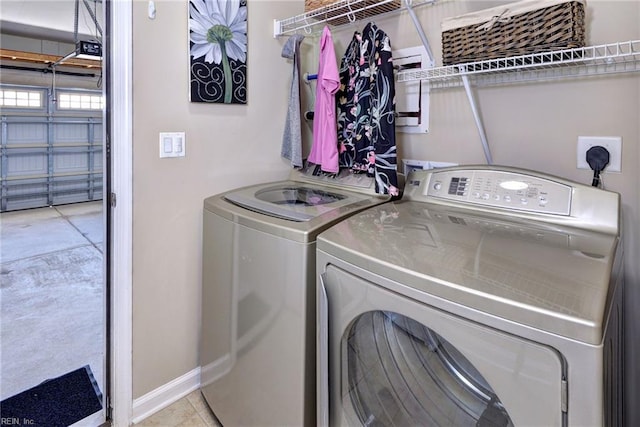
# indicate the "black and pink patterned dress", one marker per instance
pixel 366 107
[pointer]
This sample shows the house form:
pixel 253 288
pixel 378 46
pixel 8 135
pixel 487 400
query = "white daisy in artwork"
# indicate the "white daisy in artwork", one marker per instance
pixel 219 32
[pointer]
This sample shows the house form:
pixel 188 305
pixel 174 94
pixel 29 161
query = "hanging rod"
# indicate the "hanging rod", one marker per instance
pixel 340 13
pixel 308 77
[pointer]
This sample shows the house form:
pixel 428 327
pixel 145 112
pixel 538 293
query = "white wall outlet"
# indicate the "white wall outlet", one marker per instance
pixel 613 144
pixel 172 144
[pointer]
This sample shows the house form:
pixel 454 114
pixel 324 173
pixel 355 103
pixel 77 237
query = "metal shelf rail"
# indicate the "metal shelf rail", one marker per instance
pixel 621 57
pixel 340 13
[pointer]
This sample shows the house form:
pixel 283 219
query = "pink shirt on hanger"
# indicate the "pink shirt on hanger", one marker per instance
pixel 324 151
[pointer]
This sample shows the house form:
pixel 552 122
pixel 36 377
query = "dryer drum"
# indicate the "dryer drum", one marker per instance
pixel 399 372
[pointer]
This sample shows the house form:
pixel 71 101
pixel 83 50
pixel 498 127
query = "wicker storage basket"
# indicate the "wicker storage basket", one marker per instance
pixel 328 9
pixel 519 28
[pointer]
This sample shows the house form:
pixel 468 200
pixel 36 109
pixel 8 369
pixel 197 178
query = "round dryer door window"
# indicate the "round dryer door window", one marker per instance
pixel 401 373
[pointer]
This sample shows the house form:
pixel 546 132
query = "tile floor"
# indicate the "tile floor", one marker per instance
pixel 190 411
pixel 51 296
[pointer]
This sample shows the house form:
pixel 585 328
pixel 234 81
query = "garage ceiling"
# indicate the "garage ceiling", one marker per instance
pixel 49 19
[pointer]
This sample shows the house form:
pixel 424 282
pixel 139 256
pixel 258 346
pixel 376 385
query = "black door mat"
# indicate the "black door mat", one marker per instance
pixel 57 402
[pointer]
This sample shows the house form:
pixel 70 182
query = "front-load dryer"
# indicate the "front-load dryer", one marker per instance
pixel 485 297
pixel 257 350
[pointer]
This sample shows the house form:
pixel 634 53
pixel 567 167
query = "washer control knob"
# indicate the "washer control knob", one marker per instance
pixel 437 186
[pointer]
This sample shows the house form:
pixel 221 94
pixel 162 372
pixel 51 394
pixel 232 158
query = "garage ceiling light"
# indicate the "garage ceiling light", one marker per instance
pixel 84 50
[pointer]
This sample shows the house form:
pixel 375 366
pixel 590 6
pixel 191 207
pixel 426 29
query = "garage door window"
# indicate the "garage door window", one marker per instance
pixel 21 98
pixel 77 101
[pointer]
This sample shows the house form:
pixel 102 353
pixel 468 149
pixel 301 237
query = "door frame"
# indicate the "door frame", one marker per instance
pixel 120 202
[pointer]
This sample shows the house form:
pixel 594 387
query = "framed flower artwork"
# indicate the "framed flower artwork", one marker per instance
pixel 218 51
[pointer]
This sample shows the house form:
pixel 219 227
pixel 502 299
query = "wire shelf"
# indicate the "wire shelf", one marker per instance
pixel 618 57
pixel 340 13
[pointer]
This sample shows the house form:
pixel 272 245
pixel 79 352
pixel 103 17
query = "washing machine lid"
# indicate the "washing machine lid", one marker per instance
pixel 292 201
pixel 309 193
pixel 548 277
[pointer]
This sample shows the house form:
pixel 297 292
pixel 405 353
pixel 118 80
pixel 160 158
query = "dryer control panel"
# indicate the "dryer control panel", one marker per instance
pixel 502 189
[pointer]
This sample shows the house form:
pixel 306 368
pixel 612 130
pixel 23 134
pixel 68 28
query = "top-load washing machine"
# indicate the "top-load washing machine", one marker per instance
pixel 258 302
pixel 485 297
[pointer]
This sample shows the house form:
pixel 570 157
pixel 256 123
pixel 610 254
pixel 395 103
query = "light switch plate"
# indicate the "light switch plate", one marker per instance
pixel 172 144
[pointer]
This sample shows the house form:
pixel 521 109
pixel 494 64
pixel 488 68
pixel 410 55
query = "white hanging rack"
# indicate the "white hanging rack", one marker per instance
pixel 621 57
pixel 340 13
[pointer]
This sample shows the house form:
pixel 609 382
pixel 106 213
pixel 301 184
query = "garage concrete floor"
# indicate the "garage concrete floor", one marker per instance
pixel 52 295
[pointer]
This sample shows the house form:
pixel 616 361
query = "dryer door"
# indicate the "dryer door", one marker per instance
pixel 396 362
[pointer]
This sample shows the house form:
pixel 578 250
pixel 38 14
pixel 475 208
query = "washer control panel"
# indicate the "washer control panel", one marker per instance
pixel 511 190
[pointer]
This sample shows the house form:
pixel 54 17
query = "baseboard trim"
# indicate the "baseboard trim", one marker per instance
pixel 165 395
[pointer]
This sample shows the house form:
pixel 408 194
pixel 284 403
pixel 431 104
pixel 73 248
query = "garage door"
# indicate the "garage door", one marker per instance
pixel 51 147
